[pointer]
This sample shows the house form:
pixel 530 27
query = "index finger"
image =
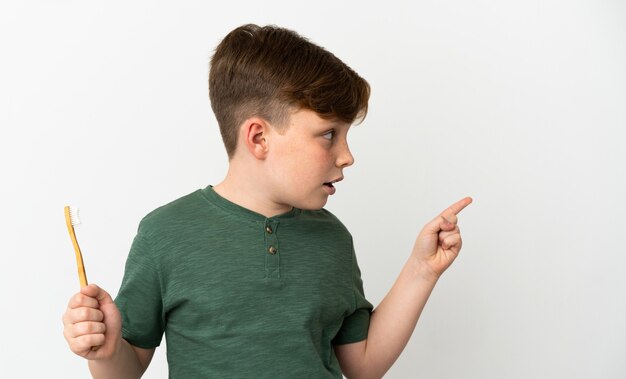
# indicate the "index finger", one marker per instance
pixel 82 300
pixel 458 206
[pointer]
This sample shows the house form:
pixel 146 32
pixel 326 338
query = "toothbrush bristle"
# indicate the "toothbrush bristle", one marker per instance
pixel 74 216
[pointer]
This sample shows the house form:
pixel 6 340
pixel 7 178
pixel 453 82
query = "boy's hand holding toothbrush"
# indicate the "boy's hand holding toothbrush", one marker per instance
pixel 92 324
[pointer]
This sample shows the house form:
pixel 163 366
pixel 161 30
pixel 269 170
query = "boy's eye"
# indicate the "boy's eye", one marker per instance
pixel 329 135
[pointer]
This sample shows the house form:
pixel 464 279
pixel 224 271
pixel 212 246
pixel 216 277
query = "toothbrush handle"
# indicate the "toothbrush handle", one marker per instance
pixel 82 275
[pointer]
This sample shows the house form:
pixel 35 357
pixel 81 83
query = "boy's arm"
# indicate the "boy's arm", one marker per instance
pixel 92 328
pixel 394 320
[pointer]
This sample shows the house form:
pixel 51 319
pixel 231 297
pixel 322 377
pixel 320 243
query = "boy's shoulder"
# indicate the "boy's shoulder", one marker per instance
pixel 322 215
pixel 171 214
pixel 323 222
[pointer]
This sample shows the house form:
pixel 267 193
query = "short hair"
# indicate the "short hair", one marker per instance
pixel 269 71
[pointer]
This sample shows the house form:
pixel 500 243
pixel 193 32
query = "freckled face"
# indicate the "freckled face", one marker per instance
pixel 306 159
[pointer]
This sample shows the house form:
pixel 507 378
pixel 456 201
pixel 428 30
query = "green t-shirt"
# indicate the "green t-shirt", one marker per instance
pixel 239 295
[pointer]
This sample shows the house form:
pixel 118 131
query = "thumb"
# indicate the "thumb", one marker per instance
pixel 438 224
pixel 97 293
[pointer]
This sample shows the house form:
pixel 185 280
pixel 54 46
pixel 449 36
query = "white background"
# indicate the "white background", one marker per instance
pixel 519 104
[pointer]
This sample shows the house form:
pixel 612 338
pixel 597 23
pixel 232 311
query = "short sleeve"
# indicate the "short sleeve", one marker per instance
pixel 139 298
pixel 356 325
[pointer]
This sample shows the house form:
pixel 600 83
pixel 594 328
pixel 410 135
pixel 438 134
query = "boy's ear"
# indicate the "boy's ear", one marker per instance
pixel 255 132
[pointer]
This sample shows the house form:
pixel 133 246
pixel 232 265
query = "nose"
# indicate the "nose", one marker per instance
pixel 345 158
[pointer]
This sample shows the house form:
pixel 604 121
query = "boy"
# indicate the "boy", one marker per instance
pixel 252 278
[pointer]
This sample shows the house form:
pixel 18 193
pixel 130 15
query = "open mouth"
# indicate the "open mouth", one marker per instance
pixel 330 186
pixel 331 183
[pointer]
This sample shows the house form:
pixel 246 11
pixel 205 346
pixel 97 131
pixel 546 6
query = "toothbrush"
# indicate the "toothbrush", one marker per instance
pixel 71 219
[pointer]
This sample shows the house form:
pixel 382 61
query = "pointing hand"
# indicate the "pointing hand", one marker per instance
pixel 439 242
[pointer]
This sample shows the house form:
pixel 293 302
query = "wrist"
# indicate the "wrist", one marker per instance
pixel 108 353
pixel 423 272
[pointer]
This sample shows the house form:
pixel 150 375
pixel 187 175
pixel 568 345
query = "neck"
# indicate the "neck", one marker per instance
pixel 243 187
